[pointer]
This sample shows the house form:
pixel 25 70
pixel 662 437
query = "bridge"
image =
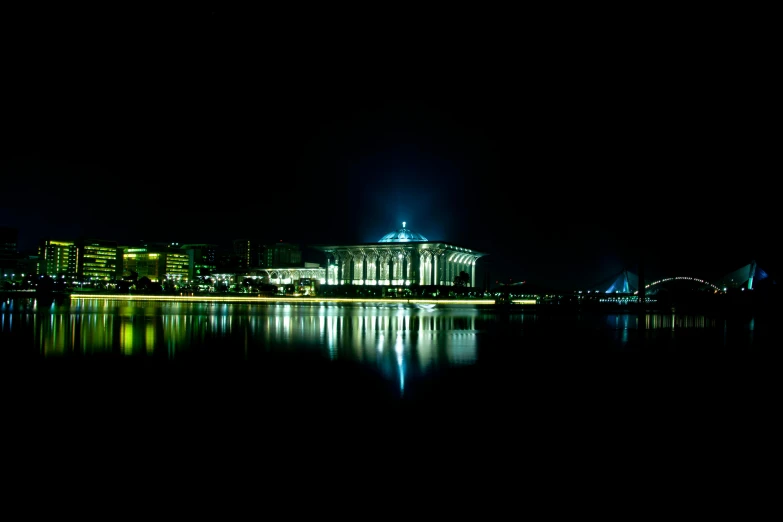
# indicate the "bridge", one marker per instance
pixel 626 282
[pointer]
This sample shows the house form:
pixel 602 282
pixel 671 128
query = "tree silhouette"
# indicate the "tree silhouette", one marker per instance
pixel 143 283
pixel 462 279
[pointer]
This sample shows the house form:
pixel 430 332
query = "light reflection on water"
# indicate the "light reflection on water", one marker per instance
pixel 401 342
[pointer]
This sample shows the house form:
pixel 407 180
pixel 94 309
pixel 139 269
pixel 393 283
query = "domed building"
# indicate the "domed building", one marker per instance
pixel 401 236
pixel 401 257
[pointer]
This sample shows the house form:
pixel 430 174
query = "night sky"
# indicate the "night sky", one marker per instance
pixel 559 159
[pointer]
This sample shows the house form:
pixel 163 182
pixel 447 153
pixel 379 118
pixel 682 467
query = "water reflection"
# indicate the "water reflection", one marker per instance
pixel 401 343
pixel 397 341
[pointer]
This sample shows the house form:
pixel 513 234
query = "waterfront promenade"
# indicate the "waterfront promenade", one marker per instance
pixel 559 303
pixel 280 299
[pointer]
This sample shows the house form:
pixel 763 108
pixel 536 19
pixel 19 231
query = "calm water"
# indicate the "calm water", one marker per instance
pixel 276 354
pixel 174 374
pixel 404 346
pixel 422 336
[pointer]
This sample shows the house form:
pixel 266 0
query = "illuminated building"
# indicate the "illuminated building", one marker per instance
pixel 248 252
pixel 401 257
pixel 307 274
pixel 140 261
pixel 176 265
pixel 58 258
pixel 202 259
pixel 98 260
pixel 156 264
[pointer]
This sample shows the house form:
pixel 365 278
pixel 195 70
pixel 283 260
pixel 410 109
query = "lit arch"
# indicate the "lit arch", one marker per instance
pixel 681 278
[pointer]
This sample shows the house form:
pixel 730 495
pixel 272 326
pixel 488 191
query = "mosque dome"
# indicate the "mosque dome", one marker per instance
pixel 402 235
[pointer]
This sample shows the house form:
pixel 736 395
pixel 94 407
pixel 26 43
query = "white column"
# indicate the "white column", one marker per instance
pixel 435 265
pixel 473 274
pixel 369 277
pixel 346 269
pixel 359 268
pixel 384 261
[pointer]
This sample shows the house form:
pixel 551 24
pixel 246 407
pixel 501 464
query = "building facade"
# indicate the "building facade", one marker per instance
pixel 399 258
pixel 58 258
pixel 99 260
pixel 84 260
pixel 281 255
pixel 142 262
pixel 156 264
pixel 176 266
pixel 248 252
pixel 202 259
pixel 9 239
pixel 8 252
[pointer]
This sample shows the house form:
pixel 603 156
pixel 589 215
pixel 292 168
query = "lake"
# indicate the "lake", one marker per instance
pixel 146 367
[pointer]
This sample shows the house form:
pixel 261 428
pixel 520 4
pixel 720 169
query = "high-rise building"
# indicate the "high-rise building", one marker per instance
pixel 202 259
pixel 142 262
pixel 157 264
pixel 9 239
pixel 8 251
pixel 176 265
pixel 248 252
pixel 28 265
pixel 279 255
pixel 58 258
pixel 99 260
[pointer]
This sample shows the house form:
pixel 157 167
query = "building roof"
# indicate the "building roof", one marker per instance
pixel 403 235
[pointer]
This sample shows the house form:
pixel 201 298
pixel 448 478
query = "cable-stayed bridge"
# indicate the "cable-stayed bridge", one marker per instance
pixel 627 282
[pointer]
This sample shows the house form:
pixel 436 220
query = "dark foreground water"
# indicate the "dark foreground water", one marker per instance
pixel 237 376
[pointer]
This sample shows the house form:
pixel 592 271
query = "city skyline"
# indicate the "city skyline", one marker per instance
pixel 562 170
pixel 309 253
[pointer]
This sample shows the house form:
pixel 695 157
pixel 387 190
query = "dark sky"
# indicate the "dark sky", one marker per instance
pixel 558 154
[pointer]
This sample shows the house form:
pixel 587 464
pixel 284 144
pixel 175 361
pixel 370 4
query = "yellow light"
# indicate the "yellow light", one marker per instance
pixel 238 299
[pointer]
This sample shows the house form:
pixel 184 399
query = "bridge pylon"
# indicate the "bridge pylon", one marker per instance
pixel 625 282
pixel 744 277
